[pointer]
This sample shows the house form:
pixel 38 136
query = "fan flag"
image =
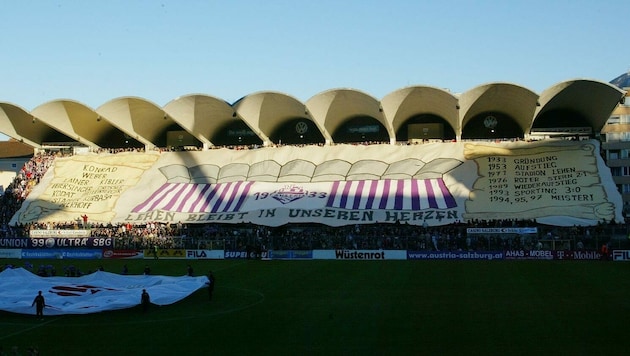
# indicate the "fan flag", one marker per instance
pixel 92 293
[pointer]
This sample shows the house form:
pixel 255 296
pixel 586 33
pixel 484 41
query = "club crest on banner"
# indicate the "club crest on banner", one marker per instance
pixel 289 193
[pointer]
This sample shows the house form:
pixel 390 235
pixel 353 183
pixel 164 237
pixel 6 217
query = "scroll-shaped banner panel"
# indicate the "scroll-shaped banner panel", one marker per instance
pixel 537 182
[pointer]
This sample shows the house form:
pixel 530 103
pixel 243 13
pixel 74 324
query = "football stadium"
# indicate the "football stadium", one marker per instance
pixel 423 222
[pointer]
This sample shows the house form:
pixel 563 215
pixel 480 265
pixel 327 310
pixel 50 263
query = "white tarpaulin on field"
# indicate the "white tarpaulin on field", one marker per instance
pixel 96 292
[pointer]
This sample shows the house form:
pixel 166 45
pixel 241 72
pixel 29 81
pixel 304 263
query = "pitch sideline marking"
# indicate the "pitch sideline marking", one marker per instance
pixel 6 336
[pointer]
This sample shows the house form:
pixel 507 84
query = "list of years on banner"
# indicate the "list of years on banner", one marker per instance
pixel 524 182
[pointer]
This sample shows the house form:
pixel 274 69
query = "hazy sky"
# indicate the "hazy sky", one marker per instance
pixel 95 51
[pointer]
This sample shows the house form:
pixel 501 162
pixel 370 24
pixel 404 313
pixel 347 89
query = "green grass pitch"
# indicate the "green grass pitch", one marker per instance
pixel 354 308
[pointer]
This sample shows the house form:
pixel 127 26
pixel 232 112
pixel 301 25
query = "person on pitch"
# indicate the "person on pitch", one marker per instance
pixel 145 300
pixel 210 283
pixel 39 302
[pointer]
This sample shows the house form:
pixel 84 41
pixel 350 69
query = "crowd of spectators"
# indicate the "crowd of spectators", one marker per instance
pixel 254 146
pixel 389 236
pixel 24 181
pixel 103 150
pixel 242 147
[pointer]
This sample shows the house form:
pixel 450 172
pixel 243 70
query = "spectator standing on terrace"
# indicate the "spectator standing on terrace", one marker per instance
pixel 604 252
pixel 145 300
pixel 580 246
pixel 434 239
pixel 85 220
pixel 39 302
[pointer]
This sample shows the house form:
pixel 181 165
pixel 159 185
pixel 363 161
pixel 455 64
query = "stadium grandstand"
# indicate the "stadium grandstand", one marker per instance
pixel 498 167
pixel 490 111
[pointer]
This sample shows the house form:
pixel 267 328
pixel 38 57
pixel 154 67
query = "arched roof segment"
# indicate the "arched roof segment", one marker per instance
pixel 21 125
pixel 137 117
pixel 199 114
pixel 331 108
pixel 593 99
pixel 402 104
pixel 513 100
pixel 75 120
pixel 265 111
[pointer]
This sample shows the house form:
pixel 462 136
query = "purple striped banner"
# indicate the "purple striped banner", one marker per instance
pixel 388 194
pixel 197 198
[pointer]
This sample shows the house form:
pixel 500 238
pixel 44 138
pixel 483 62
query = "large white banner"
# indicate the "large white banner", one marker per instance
pixel 555 182
pixel 96 292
